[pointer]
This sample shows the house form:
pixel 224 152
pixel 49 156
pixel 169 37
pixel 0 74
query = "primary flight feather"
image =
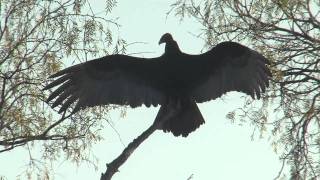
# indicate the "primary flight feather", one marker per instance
pixel 173 77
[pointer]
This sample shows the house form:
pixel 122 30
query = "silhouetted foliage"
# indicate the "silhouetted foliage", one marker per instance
pixel 288 33
pixel 35 36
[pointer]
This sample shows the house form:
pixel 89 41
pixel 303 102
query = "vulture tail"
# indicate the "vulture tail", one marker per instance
pixel 183 121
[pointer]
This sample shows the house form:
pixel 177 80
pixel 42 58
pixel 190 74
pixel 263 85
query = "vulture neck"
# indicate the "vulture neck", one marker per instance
pixel 172 48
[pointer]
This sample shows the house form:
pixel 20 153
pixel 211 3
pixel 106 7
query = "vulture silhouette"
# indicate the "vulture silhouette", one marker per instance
pixel 173 78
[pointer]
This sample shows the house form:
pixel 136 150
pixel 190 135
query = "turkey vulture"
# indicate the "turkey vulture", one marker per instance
pixel 173 78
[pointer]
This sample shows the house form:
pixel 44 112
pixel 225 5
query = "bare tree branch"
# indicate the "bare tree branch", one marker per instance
pixel 161 118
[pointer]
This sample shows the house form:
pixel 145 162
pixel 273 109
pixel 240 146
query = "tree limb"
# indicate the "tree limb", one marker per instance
pixel 113 167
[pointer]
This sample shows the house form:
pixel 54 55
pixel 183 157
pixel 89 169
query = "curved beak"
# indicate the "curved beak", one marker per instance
pixel 161 41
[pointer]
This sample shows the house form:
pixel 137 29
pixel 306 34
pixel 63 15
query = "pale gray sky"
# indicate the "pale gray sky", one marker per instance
pixel 217 150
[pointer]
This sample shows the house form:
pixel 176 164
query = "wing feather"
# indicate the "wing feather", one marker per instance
pixel 59 90
pixel 115 79
pixel 232 67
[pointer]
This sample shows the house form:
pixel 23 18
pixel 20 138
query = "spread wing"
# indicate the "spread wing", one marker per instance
pixel 114 79
pixel 228 67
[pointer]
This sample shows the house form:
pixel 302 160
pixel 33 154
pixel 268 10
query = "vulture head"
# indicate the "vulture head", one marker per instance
pixel 166 38
pixel 171 47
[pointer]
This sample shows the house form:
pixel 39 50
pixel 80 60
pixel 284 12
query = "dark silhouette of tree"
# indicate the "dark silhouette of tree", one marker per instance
pixel 288 33
pixel 35 36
